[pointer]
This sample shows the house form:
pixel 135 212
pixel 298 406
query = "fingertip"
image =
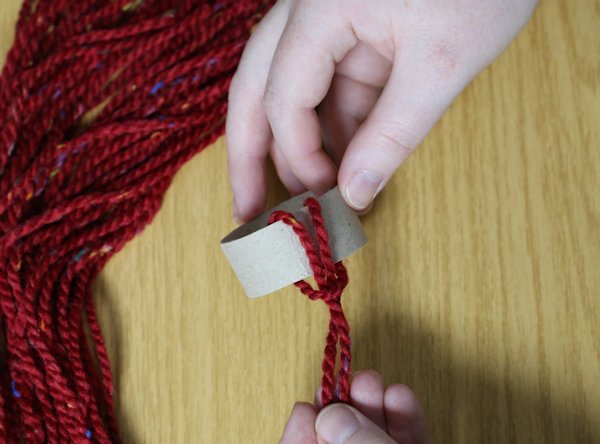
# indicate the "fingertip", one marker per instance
pixel 287 177
pixel 401 398
pixel 298 138
pixel 303 410
pixel 243 213
pixel 248 182
pixel 366 393
pixel 404 415
pixel 318 400
pixel 369 378
pixel 300 427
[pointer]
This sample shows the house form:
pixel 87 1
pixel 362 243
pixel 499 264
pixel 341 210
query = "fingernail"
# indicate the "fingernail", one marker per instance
pixel 363 188
pixel 336 424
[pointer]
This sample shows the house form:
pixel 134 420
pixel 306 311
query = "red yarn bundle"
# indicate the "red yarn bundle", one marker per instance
pixel 74 190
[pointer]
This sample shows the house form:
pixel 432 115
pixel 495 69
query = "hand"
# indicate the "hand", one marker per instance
pixel 368 78
pixel 378 415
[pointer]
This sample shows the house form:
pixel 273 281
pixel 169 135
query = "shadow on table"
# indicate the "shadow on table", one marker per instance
pixel 462 403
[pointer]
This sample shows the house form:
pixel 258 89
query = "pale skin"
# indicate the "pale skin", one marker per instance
pixel 376 414
pixel 340 92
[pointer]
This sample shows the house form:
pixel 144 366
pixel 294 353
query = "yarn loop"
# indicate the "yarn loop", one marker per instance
pixel 331 279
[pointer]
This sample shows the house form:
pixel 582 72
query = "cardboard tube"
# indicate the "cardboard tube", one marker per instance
pixel 266 257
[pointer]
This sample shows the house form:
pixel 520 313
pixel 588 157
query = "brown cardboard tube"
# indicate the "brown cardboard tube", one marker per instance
pixel 266 257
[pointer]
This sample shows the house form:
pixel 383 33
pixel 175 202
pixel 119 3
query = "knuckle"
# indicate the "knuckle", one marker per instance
pixel 235 85
pixel 396 139
pixel 243 87
pixel 241 160
pixel 273 101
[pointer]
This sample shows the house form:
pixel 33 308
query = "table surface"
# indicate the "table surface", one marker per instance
pixel 479 288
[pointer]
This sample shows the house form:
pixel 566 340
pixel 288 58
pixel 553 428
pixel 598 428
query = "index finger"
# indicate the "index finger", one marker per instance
pixel 300 76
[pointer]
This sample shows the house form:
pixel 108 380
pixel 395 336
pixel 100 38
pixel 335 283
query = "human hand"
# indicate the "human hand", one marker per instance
pixel 368 78
pixel 377 415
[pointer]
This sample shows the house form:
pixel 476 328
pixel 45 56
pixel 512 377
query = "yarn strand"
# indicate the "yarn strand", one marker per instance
pixel 331 279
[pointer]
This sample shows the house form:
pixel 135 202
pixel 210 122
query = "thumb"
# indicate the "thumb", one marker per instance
pixel 396 125
pixel 343 424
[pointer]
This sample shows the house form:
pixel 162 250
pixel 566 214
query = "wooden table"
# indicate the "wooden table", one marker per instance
pixel 480 286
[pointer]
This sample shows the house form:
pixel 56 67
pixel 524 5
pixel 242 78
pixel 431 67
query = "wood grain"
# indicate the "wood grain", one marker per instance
pixel 480 287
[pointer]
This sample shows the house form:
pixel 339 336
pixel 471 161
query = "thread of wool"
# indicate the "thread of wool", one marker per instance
pixel 101 102
pixel 331 279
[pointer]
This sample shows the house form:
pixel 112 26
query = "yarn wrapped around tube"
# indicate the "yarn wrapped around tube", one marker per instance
pixel 101 102
pixel 331 279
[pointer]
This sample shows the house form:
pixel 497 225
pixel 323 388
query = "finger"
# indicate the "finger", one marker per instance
pixel 406 111
pixel 343 424
pixel 288 178
pixel 366 394
pixel 248 131
pixel 357 84
pixel 318 399
pixel 404 415
pixel 300 76
pixel 300 428
pixel 346 106
pixel 365 65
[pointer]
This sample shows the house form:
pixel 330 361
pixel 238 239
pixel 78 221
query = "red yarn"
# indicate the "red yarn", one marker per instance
pixel 74 190
pixel 331 279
